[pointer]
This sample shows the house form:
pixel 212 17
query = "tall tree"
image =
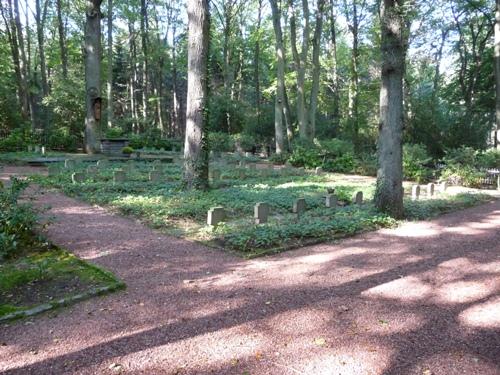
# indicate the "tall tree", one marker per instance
pixel 335 81
pixel 62 39
pixel 497 74
pixel 316 67
pixel 109 83
pixel 92 56
pixel 195 145
pixel 394 39
pixel 280 78
pixel 300 62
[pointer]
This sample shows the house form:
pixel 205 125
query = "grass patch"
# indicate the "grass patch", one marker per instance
pixel 183 213
pixel 51 276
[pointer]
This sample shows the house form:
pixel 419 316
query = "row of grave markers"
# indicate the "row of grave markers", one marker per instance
pixel 216 215
pixel 430 190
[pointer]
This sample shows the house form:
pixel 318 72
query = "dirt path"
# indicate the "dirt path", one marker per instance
pixel 420 299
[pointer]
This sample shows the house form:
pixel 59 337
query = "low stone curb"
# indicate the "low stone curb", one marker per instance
pixel 63 302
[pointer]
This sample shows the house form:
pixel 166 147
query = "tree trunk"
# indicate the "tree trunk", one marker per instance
pixel 316 68
pixel 22 60
pixel 300 64
pixel 256 70
pixel 145 66
pixel 280 78
pixel 62 39
pixel 497 73
pixel 394 31
pixel 92 55
pixel 335 88
pixel 195 146
pixel 40 21
pixel 109 91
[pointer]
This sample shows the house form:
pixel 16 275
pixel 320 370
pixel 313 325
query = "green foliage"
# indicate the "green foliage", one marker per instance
pixel 415 161
pixel 127 150
pixel 220 142
pixel 489 159
pixel 153 140
pixel 17 140
pixel 17 220
pixel 62 139
pixel 465 175
pixel 243 141
pixel 114 133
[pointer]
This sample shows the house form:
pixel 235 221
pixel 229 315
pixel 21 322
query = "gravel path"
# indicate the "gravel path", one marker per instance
pixel 420 299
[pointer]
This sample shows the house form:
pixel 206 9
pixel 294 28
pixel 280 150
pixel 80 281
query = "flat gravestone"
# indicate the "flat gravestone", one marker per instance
pixel 261 213
pixel 319 171
pixel 215 216
pixel 358 198
pixel 102 163
pixel 77 177
pixel 119 177
pixel 53 170
pixel 69 164
pixel 155 176
pixel 415 192
pixel 299 206
pixel 430 190
pixel 331 201
pixel 92 170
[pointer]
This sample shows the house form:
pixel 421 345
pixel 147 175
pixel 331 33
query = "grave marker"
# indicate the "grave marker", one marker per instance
pixel 261 212
pixel 415 192
pixel 215 216
pixel 443 186
pixel 77 177
pixel 92 170
pixel 358 198
pixel 299 206
pixel 103 163
pixel 430 190
pixel 119 176
pixel 155 176
pixel 331 201
pixel 319 171
pixel 69 164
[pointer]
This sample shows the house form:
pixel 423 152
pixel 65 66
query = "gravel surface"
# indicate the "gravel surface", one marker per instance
pixel 420 299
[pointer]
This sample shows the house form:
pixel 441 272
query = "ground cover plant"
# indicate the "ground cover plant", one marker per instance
pixel 167 206
pixel 34 275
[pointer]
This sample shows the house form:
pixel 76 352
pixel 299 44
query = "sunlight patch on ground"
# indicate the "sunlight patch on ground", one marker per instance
pixel 412 230
pixel 484 315
pixel 408 289
pixel 464 292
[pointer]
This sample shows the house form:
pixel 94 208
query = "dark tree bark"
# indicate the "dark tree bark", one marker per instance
pixel 40 16
pixel 280 77
pixel 92 55
pixel 497 74
pixel 109 83
pixel 62 39
pixel 394 39
pixel 316 43
pixel 335 85
pixel 256 67
pixel 195 146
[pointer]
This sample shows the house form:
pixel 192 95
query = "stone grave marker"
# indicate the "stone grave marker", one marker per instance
pixel 155 176
pixel 415 192
pixel 43 151
pixel 92 170
pixel 216 215
pixel 261 212
pixel 331 201
pixel 38 149
pixel 53 170
pixel 358 198
pixel 77 177
pixel 319 171
pixel 103 163
pixel 30 148
pixel 299 206
pixel 430 190
pixel 119 176
pixel 443 186
pixel 69 164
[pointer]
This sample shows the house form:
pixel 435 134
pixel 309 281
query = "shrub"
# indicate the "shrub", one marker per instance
pixel 462 156
pixel 334 147
pixel 279 158
pixel 61 139
pixel 303 156
pixel 465 175
pixel 17 140
pixel 127 150
pixel 345 163
pixel 16 220
pixel 489 159
pixel 114 133
pixel 243 142
pixel 415 161
pixel 220 142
